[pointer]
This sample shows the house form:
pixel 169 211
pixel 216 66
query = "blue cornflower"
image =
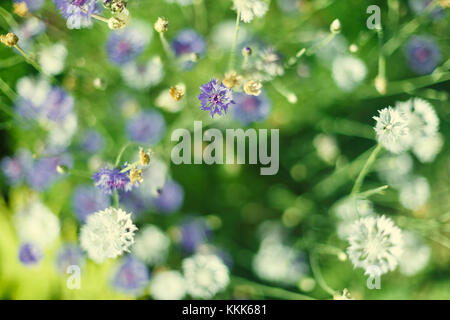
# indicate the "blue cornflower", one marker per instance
pixel 59 104
pixel 44 172
pixel 215 97
pixel 30 253
pixel 15 168
pixel 186 44
pixel 77 12
pixel 422 54
pixel 127 44
pixel 109 180
pixel 87 199
pixel 68 255
pixel 132 276
pixel 251 108
pixel 170 198
pixel 146 127
pixel 194 232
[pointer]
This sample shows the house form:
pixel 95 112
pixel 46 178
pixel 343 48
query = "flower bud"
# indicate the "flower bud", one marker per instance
pixel 380 84
pixel 335 26
pixel 161 25
pixel 253 87
pixel 118 21
pixel 20 8
pixel 246 51
pixel 232 79
pixel 9 39
pixel 177 92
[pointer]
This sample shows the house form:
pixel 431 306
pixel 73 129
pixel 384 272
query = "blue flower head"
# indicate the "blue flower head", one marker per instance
pixel 108 180
pixel 77 12
pixel 250 108
pixel 422 54
pixel 215 97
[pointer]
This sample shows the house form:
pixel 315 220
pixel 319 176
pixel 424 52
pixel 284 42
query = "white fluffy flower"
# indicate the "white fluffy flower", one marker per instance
pixel 168 285
pixel 167 103
pixel 155 177
pixel 421 117
pixel 141 76
pixel 375 245
pixel 151 245
pixel 205 275
pixel 414 193
pixel 35 223
pixel 348 210
pixel 415 254
pixel 391 129
pixel 348 72
pixel 250 8
pixel 33 89
pixel 52 58
pixel 107 234
pixel 427 148
pixel 394 168
pixel 279 263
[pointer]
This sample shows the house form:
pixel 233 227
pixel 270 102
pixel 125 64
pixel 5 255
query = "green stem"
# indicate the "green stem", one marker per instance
pixel 166 46
pixel 235 40
pixel 7 91
pixel 272 292
pixel 359 180
pixel 116 199
pixel 121 152
pixel 314 261
pixel 371 192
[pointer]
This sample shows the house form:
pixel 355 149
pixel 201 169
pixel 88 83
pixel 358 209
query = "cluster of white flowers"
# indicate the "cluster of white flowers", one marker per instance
pixel 250 8
pixel 415 254
pixel 107 234
pixel 414 192
pixel 151 245
pixel 392 129
pixel 348 72
pixel 376 245
pixel 142 76
pixel 205 275
pixel 394 169
pixel 52 58
pixel 168 285
pixel 36 224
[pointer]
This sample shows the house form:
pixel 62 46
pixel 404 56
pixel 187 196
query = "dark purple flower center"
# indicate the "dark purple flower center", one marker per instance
pixel 216 98
pixel 422 54
pixel 250 104
pixel 78 3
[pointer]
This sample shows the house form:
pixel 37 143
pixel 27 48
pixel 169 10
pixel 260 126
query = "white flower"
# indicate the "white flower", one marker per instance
pixel 205 275
pixel 422 119
pixel 155 177
pixel 33 89
pixel 414 193
pixel 168 285
pixel 250 8
pixel 394 169
pixel 167 103
pixel 60 134
pixel 107 234
pixel 223 35
pixel 151 245
pixel 391 129
pixel 375 244
pixel 415 254
pixel 52 58
pixel 35 223
pixel 142 76
pixel 279 263
pixel 427 148
pixel 326 147
pixel 348 72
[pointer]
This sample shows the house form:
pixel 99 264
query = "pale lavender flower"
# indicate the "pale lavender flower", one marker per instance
pixel 15 168
pixel 108 180
pixel 251 108
pixel 187 43
pixel 423 54
pixel 69 255
pixel 194 232
pixel 43 173
pixel 59 104
pixel 87 199
pixel 30 254
pixel 146 127
pixel 92 141
pixel 131 277
pixel 78 13
pixel 215 97
pixel 170 198
pixel 28 30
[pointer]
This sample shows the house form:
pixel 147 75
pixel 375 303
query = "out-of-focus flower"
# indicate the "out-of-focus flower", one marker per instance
pixel 421 6
pixel 166 102
pixel 44 174
pixel 250 8
pixel 376 245
pixel 16 168
pixel 52 58
pixel 59 104
pixel 215 98
pixel 170 198
pixel 326 146
pixel 268 64
pixel 232 79
pixel 348 72
pixel 335 26
pixel 146 127
pixel 427 148
pixel 415 254
pixel 108 180
pixel 132 276
pixel 187 43
pixel 10 39
pixel 253 88
pixel 69 255
pixel 77 12
pixel 194 232
pixel 423 54
pixel 127 44
pixel 222 35
pixel 205 275
pixel 394 169
pixel 414 193
pixel 151 245
pixel 249 109
pixel 107 234
pixel 30 254
pixel 290 6
pixel 391 128
pixel 92 141
pixel 36 224
pixel 32 5
pixel 155 177
pixel 178 91
pixel 140 76
pixel 168 285
pixel 422 119
pixel 28 30
pixel 87 199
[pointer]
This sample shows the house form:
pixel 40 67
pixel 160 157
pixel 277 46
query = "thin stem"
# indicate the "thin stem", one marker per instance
pixel 272 292
pixel 7 90
pixel 235 40
pixel 321 44
pixel 281 89
pixel 100 18
pixel 32 62
pixel 381 62
pixel 121 152
pixel 359 180
pixel 166 46
pixel 314 260
pixel 200 14
pixel 371 192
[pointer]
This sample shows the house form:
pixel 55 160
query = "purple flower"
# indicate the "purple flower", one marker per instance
pixel 422 54
pixel 32 5
pixel 69 255
pixel 28 30
pixel 109 180
pixel 30 254
pixel 194 232
pixel 186 43
pixel 87 199
pixel 43 173
pixel 127 44
pixel 215 97
pixel 146 127
pixel 134 201
pixel 132 276
pixel 59 104
pixel 92 141
pixel 250 109
pixel 77 12
pixel 171 197
pixel 15 168
pixel 420 6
